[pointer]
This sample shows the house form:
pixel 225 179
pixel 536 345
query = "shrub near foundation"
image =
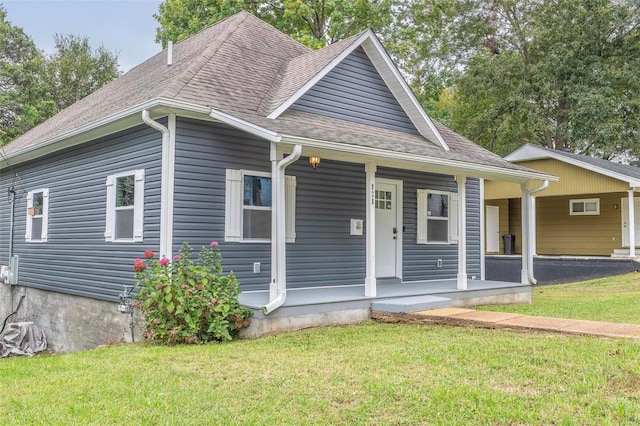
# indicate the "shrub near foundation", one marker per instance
pixel 188 302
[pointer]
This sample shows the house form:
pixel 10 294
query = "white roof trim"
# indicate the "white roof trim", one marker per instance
pixel 532 152
pixel 444 164
pixel 250 128
pixel 392 78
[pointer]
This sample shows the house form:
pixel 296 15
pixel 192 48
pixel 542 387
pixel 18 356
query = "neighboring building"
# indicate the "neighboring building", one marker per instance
pixel 215 145
pixel 592 210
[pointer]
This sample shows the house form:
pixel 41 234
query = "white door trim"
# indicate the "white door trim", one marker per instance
pixel 492 237
pixel 399 207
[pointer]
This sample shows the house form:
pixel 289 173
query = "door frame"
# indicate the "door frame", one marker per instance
pixel 497 217
pixel 399 210
pixel 624 211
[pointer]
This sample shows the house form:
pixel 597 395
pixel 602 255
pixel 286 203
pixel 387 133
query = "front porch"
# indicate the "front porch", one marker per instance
pixel 322 306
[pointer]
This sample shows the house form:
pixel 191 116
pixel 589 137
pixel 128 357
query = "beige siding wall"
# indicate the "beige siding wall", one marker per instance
pixel 515 222
pixel 572 181
pixel 559 233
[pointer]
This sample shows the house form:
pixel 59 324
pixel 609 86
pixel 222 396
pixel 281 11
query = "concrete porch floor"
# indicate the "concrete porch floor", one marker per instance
pixel 320 306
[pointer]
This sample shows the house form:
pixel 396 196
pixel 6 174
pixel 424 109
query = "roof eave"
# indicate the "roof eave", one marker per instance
pixel 436 164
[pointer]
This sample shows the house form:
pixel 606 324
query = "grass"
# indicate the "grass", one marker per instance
pixel 611 299
pixel 362 374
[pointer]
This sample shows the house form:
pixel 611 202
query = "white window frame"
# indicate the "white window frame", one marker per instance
pixel 584 202
pixel 45 216
pixel 138 207
pixel 452 219
pixel 234 206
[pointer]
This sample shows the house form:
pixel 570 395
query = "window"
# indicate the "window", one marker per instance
pixel 437 217
pixel 248 206
pixel 125 207
pixel 37 215
pixel 589 206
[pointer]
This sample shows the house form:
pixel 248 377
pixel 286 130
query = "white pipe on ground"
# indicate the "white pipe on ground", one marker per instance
pixel 279 233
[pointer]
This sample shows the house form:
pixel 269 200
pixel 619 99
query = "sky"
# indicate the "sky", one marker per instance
pixel 124 27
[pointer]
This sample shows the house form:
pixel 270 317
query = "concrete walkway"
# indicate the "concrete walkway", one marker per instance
pixel 470 317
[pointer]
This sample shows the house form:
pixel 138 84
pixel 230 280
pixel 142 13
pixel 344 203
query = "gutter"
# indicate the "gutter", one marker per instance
pixel 528 194
pixel 166 186
pixel 279 233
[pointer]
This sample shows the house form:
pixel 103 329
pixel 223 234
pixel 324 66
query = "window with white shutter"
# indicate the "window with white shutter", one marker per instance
pixel 437 221
pixel 37 215
pixel 125 207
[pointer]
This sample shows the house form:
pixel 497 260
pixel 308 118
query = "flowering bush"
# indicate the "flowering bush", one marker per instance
pixel 188 302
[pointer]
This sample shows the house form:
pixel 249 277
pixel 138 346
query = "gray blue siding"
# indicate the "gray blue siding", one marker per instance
pixel 420 260
pixel 76 259
pixel 324 253
pixel 354 91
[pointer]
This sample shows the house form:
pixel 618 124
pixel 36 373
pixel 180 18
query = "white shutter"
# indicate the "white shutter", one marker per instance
pixel 421 226
pixel 110 213
pixel 45 214
pixel 233 206
pixel 138 206
pixel 453 218
pixel 290 208
pixel 27 235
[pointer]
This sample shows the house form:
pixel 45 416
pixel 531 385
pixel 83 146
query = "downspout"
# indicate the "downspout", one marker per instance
pixel 165 246
pixel 529 192
pixel 12 195
pixel 280 232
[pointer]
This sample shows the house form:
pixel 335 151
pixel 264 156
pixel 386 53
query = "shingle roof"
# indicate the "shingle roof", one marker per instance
pixel 619 171
pixel 245 68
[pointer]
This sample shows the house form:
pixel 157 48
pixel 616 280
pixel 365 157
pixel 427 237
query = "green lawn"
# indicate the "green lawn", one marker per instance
pixel 612 299
pixel 382 374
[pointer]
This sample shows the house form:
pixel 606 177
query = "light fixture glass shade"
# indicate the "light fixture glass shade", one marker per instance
pixel 314 161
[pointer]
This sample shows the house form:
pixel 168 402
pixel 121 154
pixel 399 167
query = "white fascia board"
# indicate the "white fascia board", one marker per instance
pixel 400 89
pixel 245 126
pixel 531 152
pixel 445 165
pixel 124 119
pixel 346 52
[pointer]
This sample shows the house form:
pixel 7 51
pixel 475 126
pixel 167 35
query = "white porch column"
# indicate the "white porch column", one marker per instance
pixel 632 224
pixel 524 273
pixel 370 278
pixel 462 232
pixel 274 157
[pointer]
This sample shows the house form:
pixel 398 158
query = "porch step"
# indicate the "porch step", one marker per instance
pixel 620 253
pixel 411 304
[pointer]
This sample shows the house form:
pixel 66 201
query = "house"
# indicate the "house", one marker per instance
pixel 592 210
pixel 211 140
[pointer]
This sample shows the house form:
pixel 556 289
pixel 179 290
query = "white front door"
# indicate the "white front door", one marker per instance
pixel 387 228
pixel 493 228
pixel 625 221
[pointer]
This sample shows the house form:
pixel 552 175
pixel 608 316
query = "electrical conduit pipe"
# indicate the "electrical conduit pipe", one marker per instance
pixel 280 231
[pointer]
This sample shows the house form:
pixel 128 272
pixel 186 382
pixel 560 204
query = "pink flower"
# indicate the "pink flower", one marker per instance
pixel 176 257
pixel 139 265
pixel 164 261
pixel 148 254
pixel 214 244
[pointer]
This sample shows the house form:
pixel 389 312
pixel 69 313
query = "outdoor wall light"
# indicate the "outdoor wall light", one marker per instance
pixel 314 161
pixel 615 207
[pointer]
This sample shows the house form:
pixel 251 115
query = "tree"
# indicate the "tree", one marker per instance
pixel 75 70
pixel 314 23
pixel 22 104
pixel 559 73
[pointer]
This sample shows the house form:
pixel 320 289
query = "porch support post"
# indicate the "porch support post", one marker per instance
pixel 275 156
pixel 534 219
pixel 524 273
pixel 632 224
pixel 370 278
pixel 462 232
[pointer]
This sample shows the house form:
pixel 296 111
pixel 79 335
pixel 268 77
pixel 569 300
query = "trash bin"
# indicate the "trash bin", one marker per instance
pixel 509 243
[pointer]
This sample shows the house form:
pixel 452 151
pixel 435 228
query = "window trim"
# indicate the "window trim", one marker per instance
pixel 45 216
pixel 584 202
pixel 234 206
pixel 257 208
pixel 138 207
pixel 422 236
